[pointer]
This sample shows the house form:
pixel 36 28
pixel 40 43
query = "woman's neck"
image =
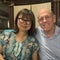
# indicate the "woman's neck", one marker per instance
pixel 21 36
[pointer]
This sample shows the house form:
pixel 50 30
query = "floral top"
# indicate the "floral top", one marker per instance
pixel 12 50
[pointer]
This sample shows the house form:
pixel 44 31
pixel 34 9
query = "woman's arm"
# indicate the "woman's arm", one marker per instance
pixel 1 57
pixel 0 49
pixel 35 56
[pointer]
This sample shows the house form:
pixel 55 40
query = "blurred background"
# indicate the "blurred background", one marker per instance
pixel 9 9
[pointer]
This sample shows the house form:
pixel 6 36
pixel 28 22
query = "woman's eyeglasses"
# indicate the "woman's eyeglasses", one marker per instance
pixel 24 20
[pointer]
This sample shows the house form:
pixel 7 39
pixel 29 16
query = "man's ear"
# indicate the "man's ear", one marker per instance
pixel 54 17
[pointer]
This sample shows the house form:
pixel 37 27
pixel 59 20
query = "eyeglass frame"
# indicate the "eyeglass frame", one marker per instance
pixel 25 20
pixel 46 18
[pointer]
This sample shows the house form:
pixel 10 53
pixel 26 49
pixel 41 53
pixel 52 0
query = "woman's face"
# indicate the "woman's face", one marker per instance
pixel 24 24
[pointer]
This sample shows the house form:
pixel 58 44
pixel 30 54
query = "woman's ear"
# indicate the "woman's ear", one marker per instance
pixel 18 22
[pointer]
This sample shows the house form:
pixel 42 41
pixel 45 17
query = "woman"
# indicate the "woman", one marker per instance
pixel 20 44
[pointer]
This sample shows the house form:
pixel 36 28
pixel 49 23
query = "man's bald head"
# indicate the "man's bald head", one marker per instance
pixel 45 10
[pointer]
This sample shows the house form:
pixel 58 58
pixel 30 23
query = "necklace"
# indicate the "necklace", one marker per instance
pixel 17 49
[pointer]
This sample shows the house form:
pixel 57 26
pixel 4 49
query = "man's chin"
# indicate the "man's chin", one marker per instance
pixel 45 29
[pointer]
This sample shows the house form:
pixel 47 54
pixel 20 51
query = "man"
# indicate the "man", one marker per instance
pixel 48 35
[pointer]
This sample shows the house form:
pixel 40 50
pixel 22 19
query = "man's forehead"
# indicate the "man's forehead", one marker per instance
pixel 44 11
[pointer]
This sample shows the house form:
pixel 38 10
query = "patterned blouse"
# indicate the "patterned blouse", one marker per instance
pixel 12 50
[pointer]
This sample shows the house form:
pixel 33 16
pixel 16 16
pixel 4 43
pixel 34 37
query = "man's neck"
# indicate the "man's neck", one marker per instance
pixel 50 33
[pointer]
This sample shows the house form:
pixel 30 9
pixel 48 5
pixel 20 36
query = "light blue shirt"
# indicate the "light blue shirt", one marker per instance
pixel 50 47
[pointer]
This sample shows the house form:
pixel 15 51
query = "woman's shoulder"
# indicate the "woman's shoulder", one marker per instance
pixel 6 33
pixel 34 43
pixel 33 39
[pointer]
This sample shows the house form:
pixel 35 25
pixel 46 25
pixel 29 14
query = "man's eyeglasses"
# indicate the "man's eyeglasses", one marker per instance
pixel 22 20
pixel 45 17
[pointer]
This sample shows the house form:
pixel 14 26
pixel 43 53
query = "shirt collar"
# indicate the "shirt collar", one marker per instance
pixel 57 31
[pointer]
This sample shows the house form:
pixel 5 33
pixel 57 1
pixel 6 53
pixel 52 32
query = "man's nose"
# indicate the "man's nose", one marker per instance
pixel 44 19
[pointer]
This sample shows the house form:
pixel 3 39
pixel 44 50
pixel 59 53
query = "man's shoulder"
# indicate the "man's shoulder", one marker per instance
pixel 39 30
pixel 38 27
pixel 58 29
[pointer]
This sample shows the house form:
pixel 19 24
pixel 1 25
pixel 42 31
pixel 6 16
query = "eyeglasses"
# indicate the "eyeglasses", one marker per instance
pixel 22 20
pixel 45 17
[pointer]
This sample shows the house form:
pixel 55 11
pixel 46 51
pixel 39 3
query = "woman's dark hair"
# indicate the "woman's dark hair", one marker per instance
pixel 26 13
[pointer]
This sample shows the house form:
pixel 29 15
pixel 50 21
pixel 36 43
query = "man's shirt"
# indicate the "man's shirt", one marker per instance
pixel 49 47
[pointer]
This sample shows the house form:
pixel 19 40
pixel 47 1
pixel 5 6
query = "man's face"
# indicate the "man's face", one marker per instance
pixel 46 20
